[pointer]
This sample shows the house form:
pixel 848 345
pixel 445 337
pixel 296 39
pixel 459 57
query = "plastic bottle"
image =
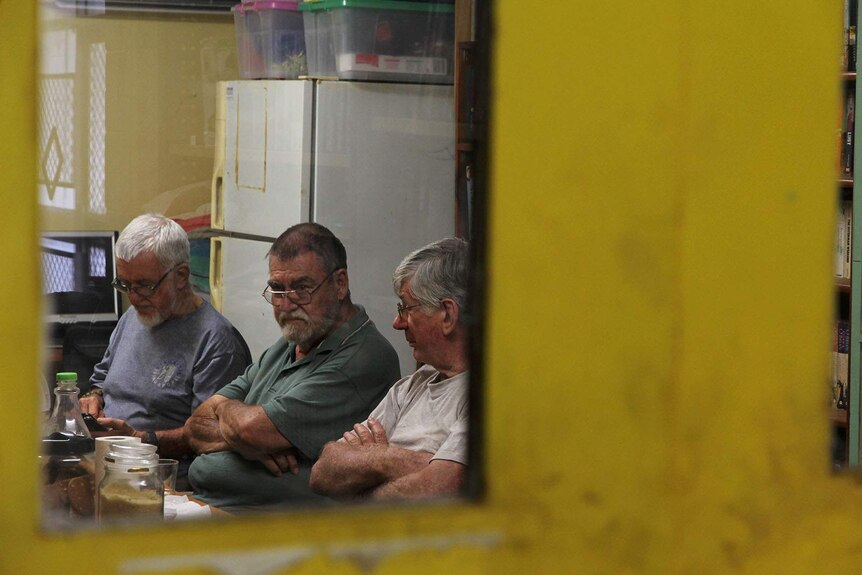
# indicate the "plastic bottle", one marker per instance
pixel 67 458
pixel 66 420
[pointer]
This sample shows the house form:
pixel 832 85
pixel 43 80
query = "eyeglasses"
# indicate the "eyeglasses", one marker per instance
pixel 298 296
pixel 142 289
pixel 402 309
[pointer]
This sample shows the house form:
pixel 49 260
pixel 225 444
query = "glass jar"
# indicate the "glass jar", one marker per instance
pixel 130 490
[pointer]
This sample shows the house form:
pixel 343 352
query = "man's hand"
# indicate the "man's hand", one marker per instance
pixel 363 460
pixel 222 424
pixel 93 405
pixel 281 462
pixel 201 431
pixel 372 436
pixel 116 427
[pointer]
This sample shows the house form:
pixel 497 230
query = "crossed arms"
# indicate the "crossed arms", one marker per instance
pixel 222 424
pixel 363 463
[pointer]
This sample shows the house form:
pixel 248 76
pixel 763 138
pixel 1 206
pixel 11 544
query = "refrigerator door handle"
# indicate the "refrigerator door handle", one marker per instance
pixel 216 292
pixel 217 215
pixel 216 187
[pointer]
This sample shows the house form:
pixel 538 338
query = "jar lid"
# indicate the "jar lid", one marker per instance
pixel 135 450
pixel 126 462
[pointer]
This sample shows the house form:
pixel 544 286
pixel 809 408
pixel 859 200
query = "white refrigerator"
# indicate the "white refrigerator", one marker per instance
pixel 373 162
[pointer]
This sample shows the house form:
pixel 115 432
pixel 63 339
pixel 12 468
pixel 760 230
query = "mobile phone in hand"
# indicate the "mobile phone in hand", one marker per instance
pixel 92 424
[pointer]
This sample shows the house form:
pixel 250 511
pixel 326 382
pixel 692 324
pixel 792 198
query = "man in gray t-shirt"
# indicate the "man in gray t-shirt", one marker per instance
pixel 414 444
pixel 170 352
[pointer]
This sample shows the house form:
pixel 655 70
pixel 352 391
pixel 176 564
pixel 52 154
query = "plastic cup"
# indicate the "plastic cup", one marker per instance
pixel 167 472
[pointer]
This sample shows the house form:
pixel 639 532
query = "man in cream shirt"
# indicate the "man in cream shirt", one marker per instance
pixel 414 443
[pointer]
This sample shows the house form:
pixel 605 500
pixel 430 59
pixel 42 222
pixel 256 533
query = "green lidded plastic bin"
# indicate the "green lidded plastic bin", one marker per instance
pixel 380 40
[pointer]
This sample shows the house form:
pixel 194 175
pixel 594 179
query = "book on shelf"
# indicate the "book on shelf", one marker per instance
pixel 840 364
pixel 850 23
pixel 847 138
pixel 840 239
pixel 847 208
pixel 843 240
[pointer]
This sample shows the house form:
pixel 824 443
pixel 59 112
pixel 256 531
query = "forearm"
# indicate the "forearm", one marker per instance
pixel 438 478
pixel 171 443
pixel 347 471
pixel 343 471
pixel 248 430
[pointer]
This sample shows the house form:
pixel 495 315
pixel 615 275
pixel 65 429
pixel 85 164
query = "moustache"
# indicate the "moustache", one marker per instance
pixel 287 316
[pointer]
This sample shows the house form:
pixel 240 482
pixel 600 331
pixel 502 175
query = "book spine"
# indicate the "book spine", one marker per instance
pixel 843 362
pixel 840 242
pixel 836 389
pixel 850 22
pixel 848 242
pixel 847 148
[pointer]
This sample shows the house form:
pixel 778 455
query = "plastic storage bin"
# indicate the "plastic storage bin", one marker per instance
pixel 270 39
pixel 380 40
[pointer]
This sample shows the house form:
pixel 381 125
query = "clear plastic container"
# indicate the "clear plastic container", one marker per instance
pixel 66 421
pixel 380 40
pixel 67 460
pixel 270 40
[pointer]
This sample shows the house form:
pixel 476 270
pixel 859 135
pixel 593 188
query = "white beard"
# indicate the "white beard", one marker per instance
pixel 151 320
pixel 310 332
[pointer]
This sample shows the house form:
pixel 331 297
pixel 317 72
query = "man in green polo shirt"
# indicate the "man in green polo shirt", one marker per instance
pixel 259 435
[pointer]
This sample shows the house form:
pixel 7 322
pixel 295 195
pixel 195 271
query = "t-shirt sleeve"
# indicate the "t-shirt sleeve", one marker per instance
pixel 219 371
pixel 100 370
pixel 455 446
pixel 238 388
pixel 222 362
pixel 388 409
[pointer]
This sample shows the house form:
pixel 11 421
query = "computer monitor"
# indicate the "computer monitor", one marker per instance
pixel 77 271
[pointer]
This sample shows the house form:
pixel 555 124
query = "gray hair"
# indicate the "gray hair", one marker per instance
pixel 438 271
pixel 156 234
pixel 310 237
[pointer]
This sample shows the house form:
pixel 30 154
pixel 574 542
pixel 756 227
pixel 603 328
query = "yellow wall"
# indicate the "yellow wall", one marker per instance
pixel 659 316
pixel 159 107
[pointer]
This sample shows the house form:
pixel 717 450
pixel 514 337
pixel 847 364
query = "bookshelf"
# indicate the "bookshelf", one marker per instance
pixel 846 422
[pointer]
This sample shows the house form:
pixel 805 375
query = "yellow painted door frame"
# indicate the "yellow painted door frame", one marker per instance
pixel 659 315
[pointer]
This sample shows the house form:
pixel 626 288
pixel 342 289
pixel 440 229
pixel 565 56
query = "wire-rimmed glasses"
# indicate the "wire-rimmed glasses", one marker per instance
pixel 402 309
pixel 300 296
pixel 141 289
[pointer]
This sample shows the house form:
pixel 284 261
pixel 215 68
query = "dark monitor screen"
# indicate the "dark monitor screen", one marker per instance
pixel 77 271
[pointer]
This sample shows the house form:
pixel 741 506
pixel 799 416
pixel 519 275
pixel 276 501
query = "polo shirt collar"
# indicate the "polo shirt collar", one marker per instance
pixel 334 339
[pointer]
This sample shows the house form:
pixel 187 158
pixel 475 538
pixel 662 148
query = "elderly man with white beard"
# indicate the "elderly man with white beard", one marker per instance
pixel 259 436
pixel 169 352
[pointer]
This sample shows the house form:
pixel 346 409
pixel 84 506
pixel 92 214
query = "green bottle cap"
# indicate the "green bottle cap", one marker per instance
pixel 67 376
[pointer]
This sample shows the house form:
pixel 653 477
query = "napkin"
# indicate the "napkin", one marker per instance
pixel 179 507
